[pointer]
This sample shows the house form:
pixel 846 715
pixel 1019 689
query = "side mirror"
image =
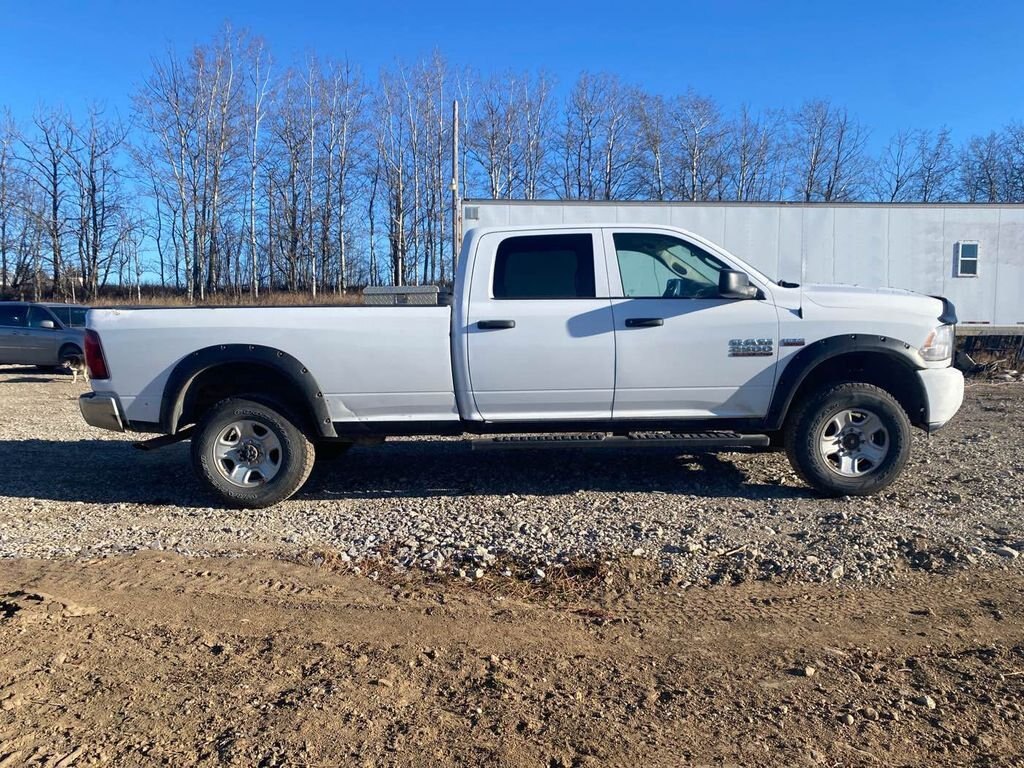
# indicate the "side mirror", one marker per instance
pixel 735 285
pixel 47 324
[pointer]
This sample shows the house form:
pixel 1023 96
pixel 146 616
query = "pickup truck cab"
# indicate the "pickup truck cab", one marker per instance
pixel 609 333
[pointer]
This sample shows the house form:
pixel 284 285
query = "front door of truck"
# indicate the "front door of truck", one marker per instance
pixel 683 351
pixel 540 337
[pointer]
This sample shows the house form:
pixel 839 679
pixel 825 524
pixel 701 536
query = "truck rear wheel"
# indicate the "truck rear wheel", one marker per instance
pixel 250 454
pixel 851 439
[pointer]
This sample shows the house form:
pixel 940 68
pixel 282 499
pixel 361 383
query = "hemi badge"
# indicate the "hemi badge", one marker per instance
pixel 791 342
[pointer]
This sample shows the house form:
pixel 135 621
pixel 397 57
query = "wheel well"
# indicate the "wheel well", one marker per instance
pixel 69 347
pixel 255 381
pixel 877 368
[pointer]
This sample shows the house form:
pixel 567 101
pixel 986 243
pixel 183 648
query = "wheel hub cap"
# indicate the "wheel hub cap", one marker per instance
pixel 853 442
pixel 247 453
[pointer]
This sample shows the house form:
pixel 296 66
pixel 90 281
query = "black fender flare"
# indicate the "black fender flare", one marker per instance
pixel 172 401
pixel 803 363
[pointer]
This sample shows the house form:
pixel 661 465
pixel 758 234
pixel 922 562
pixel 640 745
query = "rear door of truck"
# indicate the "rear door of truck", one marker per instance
pixel 541 343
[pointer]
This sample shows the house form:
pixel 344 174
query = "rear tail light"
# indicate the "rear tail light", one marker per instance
pixel 94 356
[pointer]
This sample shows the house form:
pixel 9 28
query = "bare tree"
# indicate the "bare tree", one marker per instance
pixel 391 148
pixel 493 132
pixel 828 153
pixel 259 66
pixel 343 148
pixel 599 147
pixel 9 197
pixel 981 169
pixel 1013 163
pixel 655 144
pixel 98 187
pixel 46 154
pixel 190 113
pixel 755 167
pixel 700 144
pixel 898 169
pixel 536 108
pixel 938 167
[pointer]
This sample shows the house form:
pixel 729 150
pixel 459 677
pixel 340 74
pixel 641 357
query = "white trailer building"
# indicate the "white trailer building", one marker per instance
pixel 972 254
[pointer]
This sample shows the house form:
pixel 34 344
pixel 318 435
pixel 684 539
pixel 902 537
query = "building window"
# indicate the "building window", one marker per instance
pixel 966 259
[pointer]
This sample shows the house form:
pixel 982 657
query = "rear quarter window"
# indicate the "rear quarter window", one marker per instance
pixel 12 316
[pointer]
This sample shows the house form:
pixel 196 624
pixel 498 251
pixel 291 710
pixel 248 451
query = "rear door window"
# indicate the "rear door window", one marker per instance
pixel 12 316
pixel 545 267
pixel 62 314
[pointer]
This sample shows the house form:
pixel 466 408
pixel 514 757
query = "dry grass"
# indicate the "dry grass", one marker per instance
pixel 266 299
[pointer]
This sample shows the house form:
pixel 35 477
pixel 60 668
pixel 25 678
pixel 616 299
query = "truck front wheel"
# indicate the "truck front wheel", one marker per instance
pixel 851 439
pixel 249 454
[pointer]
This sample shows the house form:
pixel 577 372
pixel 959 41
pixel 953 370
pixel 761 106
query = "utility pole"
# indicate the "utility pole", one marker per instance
pixel 456 213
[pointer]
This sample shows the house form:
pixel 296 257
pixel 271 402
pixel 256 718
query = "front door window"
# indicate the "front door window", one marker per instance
pixel 655 265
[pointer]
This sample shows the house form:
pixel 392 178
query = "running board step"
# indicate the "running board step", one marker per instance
pixel 692 440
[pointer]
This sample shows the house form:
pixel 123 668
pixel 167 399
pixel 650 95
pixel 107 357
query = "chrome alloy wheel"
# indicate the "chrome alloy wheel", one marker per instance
pixel 853 442
pixel 247 453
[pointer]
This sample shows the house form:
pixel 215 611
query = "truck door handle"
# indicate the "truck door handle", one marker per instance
pixel 644 322
pixel 495 325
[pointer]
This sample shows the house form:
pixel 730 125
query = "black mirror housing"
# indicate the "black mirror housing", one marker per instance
pixel 735 285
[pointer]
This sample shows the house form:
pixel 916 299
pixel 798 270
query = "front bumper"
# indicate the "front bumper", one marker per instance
pixel 944 390
pixel 100 410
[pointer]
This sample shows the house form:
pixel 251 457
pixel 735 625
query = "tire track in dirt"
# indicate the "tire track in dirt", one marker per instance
pixel 242 662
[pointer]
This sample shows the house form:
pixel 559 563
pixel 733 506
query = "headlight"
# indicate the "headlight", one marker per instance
pixel 939 344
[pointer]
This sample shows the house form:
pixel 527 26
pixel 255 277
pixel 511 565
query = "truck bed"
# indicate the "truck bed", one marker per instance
pixel 371 363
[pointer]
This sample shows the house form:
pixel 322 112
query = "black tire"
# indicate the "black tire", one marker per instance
pixel 293 453
pixel 809 427
pixel 331 450
pixel 67 352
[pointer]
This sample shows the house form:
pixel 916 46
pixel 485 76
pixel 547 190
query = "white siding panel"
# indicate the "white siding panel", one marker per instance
pixel 655 213
pixel 753 235
pixel 861 240
pixel 817 250
pixel 917 255
pixel 536 215
pixel 587 214
pixel 490 214
pixel 791 239
pixel 706 221
pixel 1009 309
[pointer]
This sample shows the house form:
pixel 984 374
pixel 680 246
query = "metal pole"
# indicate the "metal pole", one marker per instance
pixel 456 213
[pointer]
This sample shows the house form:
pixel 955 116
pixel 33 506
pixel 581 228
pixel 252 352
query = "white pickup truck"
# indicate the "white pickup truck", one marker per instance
pixel 599 335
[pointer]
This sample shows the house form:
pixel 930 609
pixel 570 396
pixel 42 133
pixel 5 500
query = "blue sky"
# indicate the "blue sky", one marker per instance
pixel 894 64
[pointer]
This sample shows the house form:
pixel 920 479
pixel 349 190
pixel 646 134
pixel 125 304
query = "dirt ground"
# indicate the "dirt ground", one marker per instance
pixel 156 659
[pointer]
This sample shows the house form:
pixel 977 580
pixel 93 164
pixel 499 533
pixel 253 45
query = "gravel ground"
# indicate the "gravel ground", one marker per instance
pixel 69 490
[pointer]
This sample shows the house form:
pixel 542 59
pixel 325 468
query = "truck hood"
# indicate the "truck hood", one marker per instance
pixel 859 297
